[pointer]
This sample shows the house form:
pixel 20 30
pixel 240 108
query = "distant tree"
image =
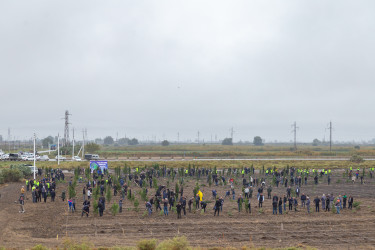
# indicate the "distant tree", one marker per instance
pixel 123 141
pixel 165 143
pixel 357 147
pixel 133 142
pixel 316 142
pixel 227 141
pixel 92 147
pixel 108 140
pixel 258 141
pixel 47 141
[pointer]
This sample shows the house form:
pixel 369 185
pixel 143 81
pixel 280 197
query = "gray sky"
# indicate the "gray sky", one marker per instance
pixel 155 68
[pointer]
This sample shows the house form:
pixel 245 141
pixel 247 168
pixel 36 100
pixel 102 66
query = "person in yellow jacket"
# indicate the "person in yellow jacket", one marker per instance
pixel 200 194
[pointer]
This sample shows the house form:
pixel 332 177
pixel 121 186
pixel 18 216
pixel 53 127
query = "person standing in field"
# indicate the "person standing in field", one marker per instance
pixel 317 201
pixel 165 207
pixel 280 205
pixel 337 205
pixel 323 199
pixel 295 204
pixel 290 202
pixel 350 202
pixel 327 203
pixel 284 202
pixel 217 207
pixel 178 208
pixel 260 199
pixel 308 204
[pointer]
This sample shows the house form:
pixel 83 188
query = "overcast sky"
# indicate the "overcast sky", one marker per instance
pixel 155 68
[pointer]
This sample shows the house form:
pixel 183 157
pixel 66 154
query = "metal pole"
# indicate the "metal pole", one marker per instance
pixel 58 149
pixel 73 146
pixel 34 156
pixel 83 146
pixel 330 136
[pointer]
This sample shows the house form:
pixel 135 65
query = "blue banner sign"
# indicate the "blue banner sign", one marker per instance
pixel 98 166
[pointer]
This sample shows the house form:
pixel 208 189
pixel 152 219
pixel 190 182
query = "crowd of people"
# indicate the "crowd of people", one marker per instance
pixel 292 200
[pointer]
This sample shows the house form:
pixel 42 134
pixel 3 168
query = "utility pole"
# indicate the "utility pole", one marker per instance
pixel 330 136
pixel 198 136
pixel 58 149
pixel 73 146
pixel 294 126
pixel 9 138
pixel 66 129
pixel 231 133
pixel 34 154
pixel 178 137
pixel 83 145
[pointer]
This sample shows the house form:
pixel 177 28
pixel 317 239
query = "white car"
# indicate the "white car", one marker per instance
pixel 24 157
pixel 44 158
pixel 31 158
pixel 76 158
pixel 61 158
pixel 5 157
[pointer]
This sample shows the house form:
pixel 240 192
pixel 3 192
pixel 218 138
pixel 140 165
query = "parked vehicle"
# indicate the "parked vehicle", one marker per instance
pixel 15 157
pixel 76 158
pixel 95 157
pixel 61 158
pixel 31 158
pixel 44 158
pixel 90 157
pixel 5 157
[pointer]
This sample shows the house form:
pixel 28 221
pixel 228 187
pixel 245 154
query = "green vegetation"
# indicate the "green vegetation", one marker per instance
pixel 10 175
pixel 147 244
pixel 114 209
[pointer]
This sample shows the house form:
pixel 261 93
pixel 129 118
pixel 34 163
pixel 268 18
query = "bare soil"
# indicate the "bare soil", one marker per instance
pixel 50 223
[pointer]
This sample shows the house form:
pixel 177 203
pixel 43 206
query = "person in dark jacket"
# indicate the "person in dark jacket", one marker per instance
pixel 203 206
pixel 308 204
pixel 274 207
pixel 317 201
pixel 328 200
pixel 261 199
pixel 217 207
pixel 350 202
pixel 303 200
pixel 290 203
pixel 295 204
pixel 178 208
